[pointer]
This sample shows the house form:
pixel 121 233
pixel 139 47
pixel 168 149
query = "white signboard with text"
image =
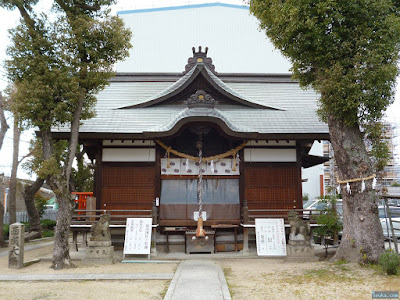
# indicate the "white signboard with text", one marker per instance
pixel 270 237
pixel 138 236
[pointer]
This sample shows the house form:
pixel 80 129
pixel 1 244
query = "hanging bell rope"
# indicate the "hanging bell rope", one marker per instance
pixel 231 152
pixel 200 184
pixel 200 232
pixel 168 160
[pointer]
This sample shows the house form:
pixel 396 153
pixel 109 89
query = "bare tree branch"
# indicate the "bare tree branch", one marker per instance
pixel 25 156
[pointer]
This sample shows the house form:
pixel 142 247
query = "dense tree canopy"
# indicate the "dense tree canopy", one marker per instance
pixel 348 52
pixel 58 64
pixel 74 54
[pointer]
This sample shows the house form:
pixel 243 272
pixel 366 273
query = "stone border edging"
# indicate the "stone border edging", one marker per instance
pixel 172 285
pixel 93 276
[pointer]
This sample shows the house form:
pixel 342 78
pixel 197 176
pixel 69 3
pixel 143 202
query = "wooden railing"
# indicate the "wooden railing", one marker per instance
pixel 117 217
pixel 249 215
pixel 83 219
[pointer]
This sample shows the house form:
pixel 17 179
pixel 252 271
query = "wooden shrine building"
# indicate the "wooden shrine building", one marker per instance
pixel 255 133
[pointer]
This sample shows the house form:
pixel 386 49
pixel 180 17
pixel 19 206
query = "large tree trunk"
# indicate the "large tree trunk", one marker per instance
pixel 29 198
pixel 60 186
pixel 14 169
pixel 362 239
pixel 61 258
pixel 3 121
pixel 2 187
pixel 2 243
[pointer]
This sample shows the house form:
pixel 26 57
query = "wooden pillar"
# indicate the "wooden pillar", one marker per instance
pixel 98 171
pixel 321 185
pixel 154 233
pixel 90 207
pixel 245 229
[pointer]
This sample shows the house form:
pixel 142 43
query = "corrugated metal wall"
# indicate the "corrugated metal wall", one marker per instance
pixel 162 40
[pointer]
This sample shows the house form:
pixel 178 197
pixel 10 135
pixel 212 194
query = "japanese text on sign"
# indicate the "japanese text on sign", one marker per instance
pixel 270 237
pixel 138 236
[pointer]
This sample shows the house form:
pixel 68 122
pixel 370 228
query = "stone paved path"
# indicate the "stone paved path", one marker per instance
pixel 198 280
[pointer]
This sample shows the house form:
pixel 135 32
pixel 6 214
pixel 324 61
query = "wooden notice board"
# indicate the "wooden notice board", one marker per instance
pixel 270 237
pixel 138 236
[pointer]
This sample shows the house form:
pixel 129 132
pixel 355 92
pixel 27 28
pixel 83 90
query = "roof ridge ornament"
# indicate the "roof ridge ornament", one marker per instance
pixel 201 100
pixel 199 58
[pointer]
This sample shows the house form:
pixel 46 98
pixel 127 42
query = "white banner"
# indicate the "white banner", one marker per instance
pixel 270 237
pixel 218 167
pixel 138 236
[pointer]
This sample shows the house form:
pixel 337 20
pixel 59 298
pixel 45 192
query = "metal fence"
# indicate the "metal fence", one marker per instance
pixel 22 216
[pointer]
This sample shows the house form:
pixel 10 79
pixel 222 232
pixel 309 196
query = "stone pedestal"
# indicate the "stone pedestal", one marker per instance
pixel 153 248
pixel 245 250
pixel 16 246
pixel 300 250
pixel 299 247
pixel 100 252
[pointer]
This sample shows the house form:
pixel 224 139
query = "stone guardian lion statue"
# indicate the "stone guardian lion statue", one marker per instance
pixel 101 229
pixel 299 229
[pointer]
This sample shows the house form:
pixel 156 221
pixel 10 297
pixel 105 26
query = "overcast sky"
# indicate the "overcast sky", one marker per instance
pixel 9 19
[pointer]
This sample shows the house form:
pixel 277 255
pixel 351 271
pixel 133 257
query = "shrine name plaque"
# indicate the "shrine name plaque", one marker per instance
pixel 270 237
pixel 138 236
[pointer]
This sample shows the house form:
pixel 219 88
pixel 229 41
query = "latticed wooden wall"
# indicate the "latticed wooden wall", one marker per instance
pixel 272 187
pixel 128 187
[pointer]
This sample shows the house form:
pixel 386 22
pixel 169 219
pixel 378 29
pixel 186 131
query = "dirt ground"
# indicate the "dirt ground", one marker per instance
pixel 253 278
pixel 277 279
pixel 82 290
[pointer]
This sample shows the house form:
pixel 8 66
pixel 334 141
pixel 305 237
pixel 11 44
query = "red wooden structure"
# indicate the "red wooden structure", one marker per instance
pixel 80 200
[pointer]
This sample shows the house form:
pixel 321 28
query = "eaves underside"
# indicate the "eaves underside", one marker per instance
pixel 243 135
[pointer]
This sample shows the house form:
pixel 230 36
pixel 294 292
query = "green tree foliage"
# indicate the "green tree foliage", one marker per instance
pixel 83 174
pixel 36 164
pixel 348 52
pixel 75 54
pixel 40 202
pixel 390 262
pixel 59 63
pixel 329 223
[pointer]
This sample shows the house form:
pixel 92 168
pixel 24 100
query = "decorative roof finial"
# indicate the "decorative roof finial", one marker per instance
pixel 199 58
pixel 202 100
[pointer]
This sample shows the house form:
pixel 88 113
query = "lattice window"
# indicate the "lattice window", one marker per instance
pixel 128 187
pixel 271 187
